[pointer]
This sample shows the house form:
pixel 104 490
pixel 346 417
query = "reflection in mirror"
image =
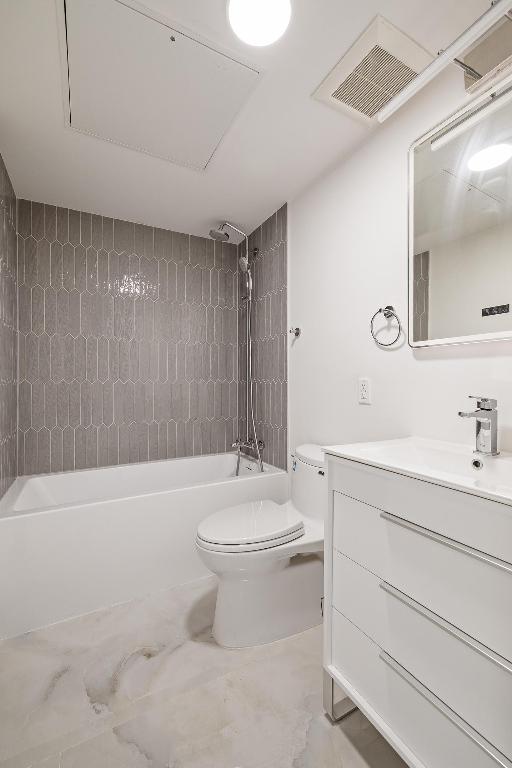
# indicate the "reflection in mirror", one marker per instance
pixel 461 229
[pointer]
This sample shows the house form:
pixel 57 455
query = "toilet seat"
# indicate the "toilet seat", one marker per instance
pixel 250 527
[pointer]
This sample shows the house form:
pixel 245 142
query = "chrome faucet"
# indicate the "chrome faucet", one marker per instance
pixel 486 416
pixel 251 445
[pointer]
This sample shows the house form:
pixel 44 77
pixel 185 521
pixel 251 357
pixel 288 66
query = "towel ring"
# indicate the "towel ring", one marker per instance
pixel 388 313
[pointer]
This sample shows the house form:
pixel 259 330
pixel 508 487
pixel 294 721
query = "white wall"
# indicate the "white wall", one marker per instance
pixel 467 275
pixel 348 256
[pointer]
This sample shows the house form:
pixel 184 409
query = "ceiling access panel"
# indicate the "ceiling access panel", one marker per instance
pixel 138 82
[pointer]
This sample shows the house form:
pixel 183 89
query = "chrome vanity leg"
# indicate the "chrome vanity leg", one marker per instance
pixel 339 709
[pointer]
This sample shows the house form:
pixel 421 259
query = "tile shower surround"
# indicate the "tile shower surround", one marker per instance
pixel 270 337
pixel 127 342
pixel 8 331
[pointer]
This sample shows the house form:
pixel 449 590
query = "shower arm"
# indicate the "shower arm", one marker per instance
pixel 240 232
pixel 235 229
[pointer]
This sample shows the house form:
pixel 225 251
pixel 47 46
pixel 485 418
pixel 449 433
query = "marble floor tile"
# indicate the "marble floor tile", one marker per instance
pixel 76 676
pixel 353 743
pixel 143 685
pixel 50 762
pixel 216 725
pixel 267 714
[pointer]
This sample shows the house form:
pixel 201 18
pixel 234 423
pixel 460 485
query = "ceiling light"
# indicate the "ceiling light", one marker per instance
pixel 259 22
pixel 490 157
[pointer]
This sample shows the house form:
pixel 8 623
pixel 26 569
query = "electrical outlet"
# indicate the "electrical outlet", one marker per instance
pixel 365 391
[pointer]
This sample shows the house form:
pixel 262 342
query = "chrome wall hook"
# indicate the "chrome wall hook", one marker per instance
pixel 295 332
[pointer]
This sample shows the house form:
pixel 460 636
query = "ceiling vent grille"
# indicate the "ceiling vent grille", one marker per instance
pixel 377 67
pixel 375 81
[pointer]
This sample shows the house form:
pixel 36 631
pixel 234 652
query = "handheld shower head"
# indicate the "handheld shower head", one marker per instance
pixel 243 261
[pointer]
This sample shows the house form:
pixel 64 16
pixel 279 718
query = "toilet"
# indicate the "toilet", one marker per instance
pixel 268 558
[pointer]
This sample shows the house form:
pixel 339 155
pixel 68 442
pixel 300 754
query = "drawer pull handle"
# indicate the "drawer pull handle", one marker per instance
pixel 461 724
pixel 440 539
pixel 447 627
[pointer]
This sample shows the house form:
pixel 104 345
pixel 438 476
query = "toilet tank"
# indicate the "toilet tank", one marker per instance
pixel 309 482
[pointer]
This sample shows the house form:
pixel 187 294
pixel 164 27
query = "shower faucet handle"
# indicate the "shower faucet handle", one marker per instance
pixel 295 331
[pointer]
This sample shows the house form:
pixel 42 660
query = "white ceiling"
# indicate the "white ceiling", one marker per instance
pixel 280 141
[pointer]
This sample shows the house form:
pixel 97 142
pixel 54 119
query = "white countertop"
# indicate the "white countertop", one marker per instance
pixel 447 464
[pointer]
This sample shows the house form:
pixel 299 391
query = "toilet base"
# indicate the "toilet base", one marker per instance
pixel 269 603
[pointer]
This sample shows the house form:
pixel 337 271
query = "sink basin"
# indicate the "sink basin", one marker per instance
pixel 443 463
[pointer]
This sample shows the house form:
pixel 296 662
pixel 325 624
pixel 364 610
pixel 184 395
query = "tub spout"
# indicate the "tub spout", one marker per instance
pixel 238 445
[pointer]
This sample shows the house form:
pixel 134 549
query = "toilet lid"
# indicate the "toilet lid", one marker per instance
pixel 258 546
pixel 255 522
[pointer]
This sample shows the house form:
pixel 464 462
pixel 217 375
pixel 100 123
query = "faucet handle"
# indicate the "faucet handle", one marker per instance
pixel 485 403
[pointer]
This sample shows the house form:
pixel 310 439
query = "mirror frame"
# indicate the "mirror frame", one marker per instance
pixel 462 114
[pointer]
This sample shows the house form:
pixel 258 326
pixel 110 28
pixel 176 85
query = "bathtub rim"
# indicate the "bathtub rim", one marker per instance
pixel 9 498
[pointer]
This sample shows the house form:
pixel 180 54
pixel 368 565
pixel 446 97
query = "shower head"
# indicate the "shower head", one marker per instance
pixel 222 235
pixel 219 234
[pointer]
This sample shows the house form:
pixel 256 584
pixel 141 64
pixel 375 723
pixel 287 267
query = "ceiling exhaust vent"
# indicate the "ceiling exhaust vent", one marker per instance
pixel 377 67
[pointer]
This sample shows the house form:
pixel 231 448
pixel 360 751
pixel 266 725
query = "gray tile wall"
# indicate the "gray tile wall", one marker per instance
pixel 8 331
pixel 127 343
pixel 270 335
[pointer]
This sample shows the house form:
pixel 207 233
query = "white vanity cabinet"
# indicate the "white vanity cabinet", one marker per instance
pixel 418 611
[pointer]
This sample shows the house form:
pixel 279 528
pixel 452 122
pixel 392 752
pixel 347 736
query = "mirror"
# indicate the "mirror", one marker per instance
pixel 460 227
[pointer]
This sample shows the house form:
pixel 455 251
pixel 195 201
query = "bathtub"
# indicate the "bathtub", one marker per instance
pixel 74 542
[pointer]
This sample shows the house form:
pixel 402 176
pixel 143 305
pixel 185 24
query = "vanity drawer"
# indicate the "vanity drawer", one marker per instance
pixel 480 523
pixel 360 533
pixel 468 589
pixel 431 730
pixel 463 586
pixel 469 678
pixel 356 594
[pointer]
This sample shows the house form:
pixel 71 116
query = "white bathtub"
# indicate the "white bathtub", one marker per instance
pixel 73 542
